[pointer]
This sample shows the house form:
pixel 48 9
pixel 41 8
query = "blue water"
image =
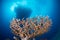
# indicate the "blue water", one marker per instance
pixel 38 8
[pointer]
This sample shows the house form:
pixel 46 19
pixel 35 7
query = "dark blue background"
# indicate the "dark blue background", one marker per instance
pixel 38 7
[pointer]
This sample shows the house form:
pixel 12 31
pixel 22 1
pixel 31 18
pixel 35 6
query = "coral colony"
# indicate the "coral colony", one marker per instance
pixel 30 28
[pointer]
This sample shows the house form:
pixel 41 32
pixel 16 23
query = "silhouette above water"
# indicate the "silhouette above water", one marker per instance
pixel 22 12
